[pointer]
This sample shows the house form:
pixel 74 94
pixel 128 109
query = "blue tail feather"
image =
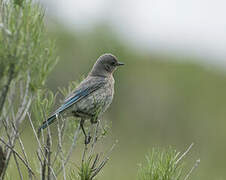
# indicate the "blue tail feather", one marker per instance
pixel 46 123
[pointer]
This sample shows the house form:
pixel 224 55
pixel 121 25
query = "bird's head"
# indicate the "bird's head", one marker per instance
pixel 105 65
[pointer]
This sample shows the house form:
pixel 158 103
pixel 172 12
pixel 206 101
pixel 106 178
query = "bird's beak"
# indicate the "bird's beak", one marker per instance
pixel 120 64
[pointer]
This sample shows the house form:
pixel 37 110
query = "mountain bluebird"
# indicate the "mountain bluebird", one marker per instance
pixel 92 96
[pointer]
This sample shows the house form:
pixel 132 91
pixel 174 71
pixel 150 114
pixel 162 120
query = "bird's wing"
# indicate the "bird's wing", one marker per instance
pixel 86 88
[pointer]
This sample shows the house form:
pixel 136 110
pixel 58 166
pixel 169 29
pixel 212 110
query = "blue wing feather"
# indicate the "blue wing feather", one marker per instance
pixel 77 95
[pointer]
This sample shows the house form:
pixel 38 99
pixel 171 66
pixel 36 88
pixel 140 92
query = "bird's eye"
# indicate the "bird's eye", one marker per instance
pixel 113 63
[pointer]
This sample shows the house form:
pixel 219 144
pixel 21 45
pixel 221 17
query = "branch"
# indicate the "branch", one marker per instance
pixel 61 129
pixel 46 160
pixel 39 144
pixel 105 160
pixel 48 146
pixel 21 113
pixel 2 160
pixel 24 153
pixel 60 149
pixel 18 155
pixel 71 149
pixel 95 137
pixel 18 166
pixel 192 169
pixel 6 87
pixel 12 133
pixel 184 154
pixel 8 150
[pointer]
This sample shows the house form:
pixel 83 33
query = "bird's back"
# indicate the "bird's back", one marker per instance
pixel 98 100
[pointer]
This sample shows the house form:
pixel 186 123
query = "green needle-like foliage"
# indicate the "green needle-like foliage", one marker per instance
pixel 24 44
pixel 160 165
pixel 27 55
pixel 85 171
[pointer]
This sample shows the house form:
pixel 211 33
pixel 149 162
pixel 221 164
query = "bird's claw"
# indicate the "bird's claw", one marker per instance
pixel 87 139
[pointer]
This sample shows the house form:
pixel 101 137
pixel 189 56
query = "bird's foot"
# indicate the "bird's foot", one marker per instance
pixel 87 139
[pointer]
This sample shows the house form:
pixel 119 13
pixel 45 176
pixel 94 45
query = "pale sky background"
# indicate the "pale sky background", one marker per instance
pixel 194 27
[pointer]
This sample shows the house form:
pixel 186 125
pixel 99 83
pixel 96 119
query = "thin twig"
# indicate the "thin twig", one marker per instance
pixel 17 165
pixel 6 87
pixel 184 154
pixel 11 139
pixel 61 149
pixel 18 155
pixel 17 120
pixel 11 102
pixel 46 162
pixel 2 160
pixel 22 110
pixel 14 156
pixel 99 168
pixel 40 160
pixel 25 156
pixel 62 137
pixel 39 144
pixel 25 111
pixel 62 128
pixel 95 161
pixel 48 147
pixel 84 152
pixel 105 160
pixel 192 169
pixel 39 157
pixel 23 150
pixel 95 137
pixel 71 148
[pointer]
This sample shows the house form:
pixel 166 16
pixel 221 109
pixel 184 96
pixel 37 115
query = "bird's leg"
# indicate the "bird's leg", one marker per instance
pixel 87 138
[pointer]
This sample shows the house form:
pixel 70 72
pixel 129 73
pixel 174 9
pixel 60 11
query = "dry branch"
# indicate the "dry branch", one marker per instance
pixel 18 155
pixel 2 160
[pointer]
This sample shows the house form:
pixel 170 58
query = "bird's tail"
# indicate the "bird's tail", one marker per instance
pixel 46 123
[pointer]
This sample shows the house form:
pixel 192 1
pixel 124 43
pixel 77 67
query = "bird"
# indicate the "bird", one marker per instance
pixel 92 96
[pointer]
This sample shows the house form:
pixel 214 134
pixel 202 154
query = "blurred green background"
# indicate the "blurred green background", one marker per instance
pixel 169 93
pixel 159 101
